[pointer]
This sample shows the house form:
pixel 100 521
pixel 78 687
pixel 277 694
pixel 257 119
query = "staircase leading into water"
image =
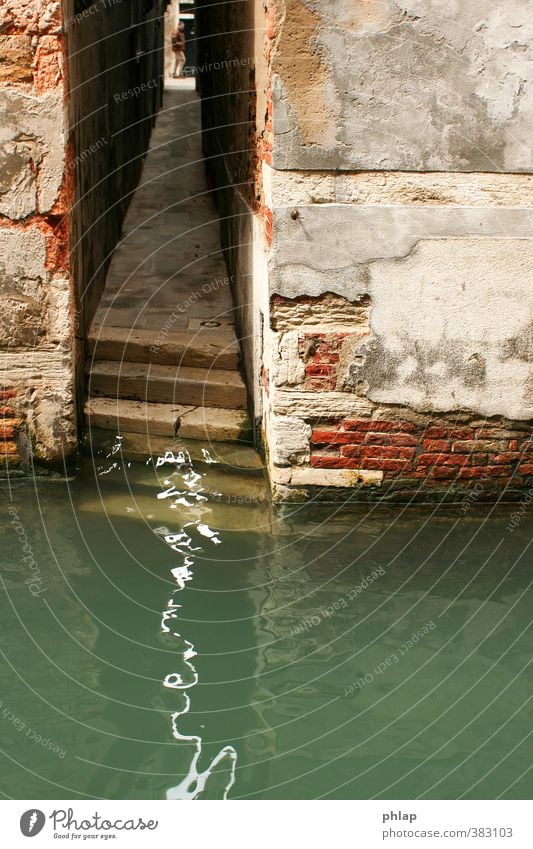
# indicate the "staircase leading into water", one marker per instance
pixel 164 360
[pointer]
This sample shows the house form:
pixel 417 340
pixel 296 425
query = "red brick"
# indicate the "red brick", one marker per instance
pixel 378 426
pixel 513 445
pixel 443 459
pixel 457 460
pixel 526 469
pixel 479 459
pixel 485 471
pixel 383 464
pixel 391 439
pixel 270 23
pixel 438 445
pixel 463 433
pixel 8 449
pixel 323 461
pixel 7 393
pixel 335 437
pixel 436 432
pixel 505 457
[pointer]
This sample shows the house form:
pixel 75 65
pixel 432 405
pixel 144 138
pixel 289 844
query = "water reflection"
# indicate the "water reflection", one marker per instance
pixel 295 614
pixel 218 778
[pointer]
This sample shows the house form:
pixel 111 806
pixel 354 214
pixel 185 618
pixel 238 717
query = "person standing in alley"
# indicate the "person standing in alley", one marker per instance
pixel 178 48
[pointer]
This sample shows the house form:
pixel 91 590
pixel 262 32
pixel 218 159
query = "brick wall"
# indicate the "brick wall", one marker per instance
pixel 10 422
pixel 324 434
pixel 366 295
pixel 428 450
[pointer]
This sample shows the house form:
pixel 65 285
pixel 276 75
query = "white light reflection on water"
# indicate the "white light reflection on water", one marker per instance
pixel 115 466
pixel 222 767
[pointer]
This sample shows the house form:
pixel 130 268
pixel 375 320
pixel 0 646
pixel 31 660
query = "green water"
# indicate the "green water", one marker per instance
pixel 277 660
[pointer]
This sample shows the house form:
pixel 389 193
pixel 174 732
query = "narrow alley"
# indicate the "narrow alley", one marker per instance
pixel 164 358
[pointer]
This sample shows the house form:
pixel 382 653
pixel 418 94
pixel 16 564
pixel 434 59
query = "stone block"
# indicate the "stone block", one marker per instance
pixel 15 59
pixel 289 440
pixel 316 406
pixel 39 122
pixel 19 162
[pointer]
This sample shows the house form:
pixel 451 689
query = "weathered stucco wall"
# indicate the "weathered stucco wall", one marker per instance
pixel 72 134
pixel 422 85
pixel 387 157
pixel 450 293
pixel 400 344
pixel 398 356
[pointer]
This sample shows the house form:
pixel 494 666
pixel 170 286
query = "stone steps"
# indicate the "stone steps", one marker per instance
pixel 168 420
pixel 204 349
pixel 158 384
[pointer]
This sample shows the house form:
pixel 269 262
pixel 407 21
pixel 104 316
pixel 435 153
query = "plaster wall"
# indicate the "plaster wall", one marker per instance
pixel 385 147
pixel 420 85
pixel 400 270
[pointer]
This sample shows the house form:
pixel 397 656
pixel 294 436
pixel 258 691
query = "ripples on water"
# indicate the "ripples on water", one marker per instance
pixel 302 652
pixel 223 765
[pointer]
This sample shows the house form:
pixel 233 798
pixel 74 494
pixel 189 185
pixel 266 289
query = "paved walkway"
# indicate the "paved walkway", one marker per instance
pixel 164 358
pixel 168 271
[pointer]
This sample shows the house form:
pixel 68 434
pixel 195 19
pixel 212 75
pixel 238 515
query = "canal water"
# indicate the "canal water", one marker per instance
pixel 166 634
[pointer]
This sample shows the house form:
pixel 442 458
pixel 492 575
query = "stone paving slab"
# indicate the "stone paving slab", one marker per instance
pixel 169 262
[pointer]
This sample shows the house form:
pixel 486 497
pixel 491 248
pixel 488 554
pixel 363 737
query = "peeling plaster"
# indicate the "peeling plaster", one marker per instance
pixel 408 85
